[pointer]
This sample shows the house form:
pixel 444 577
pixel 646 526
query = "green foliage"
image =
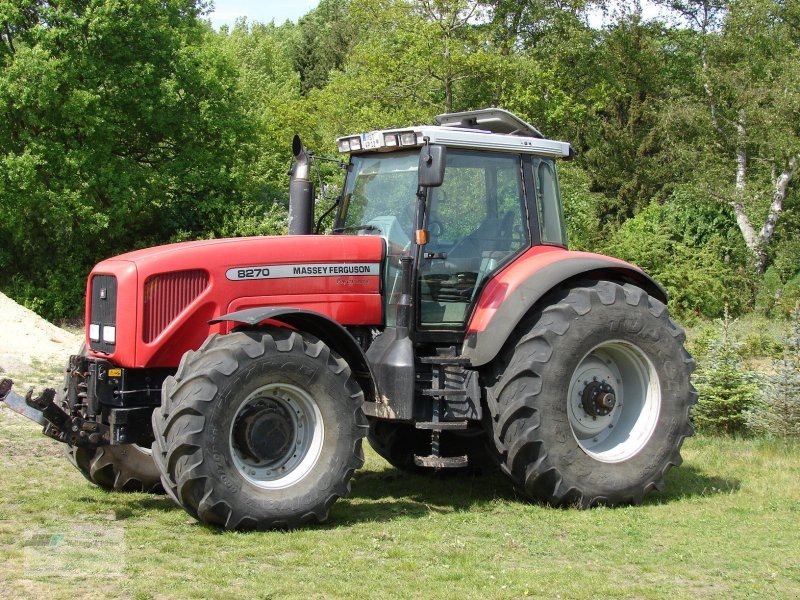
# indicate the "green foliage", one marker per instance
pixel 580 207
pixel 320 44
pixel 790 296
pixel 777 410
pixel 769 292
pixel 125 124
pixel 120 128
pixel 698 279
pixel 726 392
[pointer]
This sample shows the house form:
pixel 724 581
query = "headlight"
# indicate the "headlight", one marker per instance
pixel 408 138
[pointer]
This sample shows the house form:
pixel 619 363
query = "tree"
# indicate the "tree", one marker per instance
pixel 322 42
pixel 120 127
pixel 746 134
pixel 777 411
pixel 413 59
pixel 726 392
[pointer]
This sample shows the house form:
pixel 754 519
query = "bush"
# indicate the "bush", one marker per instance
pixel 769 292
pixel 699 281
pixel 789 297
pixel 777 410
pixel 726 391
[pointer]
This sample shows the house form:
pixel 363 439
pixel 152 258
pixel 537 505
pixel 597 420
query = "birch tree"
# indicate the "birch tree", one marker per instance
pixel 749 97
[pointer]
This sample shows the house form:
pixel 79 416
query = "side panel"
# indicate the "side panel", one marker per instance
pixel 513 292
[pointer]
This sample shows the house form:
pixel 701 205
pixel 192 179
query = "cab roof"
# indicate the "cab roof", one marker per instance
pixel 492 129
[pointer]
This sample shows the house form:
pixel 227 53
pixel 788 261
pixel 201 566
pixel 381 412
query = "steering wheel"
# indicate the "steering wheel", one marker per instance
pixel 435 228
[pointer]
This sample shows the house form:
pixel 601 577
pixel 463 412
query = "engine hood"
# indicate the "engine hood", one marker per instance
pixel 230 252
pixel 165 296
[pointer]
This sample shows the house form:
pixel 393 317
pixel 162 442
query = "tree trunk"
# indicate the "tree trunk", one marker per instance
pixel 758 243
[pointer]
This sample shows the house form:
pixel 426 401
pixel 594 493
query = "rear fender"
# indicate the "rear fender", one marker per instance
pixel 319 325
pixel 518 289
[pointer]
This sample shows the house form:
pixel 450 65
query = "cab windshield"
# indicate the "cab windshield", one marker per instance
pixel 379 197
pixel 476 220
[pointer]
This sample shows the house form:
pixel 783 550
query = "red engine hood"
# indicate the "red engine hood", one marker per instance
pixel 167 294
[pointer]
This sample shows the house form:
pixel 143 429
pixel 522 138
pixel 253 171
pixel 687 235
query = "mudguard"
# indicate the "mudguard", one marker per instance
pixel 516 290
pixel 325 328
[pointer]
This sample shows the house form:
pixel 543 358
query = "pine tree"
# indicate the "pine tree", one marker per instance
pixel 726 391
pixel 777 410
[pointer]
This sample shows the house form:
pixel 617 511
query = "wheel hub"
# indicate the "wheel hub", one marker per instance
pixel 613 401
pixel 276 436
pixel 266 433
pixel 598 398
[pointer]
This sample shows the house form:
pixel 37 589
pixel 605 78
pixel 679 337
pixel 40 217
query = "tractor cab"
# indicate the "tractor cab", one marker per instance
pixel 498 197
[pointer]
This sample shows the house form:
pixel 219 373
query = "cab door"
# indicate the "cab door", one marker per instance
pixel 476 222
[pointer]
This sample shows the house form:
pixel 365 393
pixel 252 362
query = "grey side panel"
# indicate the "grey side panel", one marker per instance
pixel 322 326
pixel 481 347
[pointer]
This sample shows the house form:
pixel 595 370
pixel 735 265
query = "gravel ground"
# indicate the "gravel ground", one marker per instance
pixel 28 343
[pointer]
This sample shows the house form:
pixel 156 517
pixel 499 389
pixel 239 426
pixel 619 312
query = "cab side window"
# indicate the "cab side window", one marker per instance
pixel 548 203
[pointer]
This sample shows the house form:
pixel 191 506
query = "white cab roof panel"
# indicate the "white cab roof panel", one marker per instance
pixel 492 129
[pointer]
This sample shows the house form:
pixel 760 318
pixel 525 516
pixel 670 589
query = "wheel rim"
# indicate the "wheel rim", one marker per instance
pixel 276 436
pixel 614 401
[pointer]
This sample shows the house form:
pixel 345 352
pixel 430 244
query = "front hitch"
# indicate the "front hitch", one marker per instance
pixel 58 424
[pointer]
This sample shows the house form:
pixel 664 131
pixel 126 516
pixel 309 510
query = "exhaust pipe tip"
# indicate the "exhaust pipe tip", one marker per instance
pixel 298 149
pixel 301 191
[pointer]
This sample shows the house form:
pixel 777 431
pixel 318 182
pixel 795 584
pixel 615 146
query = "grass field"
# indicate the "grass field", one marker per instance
pixel 727 526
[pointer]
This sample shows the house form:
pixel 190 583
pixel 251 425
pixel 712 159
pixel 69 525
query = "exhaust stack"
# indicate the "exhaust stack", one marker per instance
pixel 301 192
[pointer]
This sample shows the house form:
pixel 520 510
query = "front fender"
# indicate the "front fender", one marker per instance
pixel 518 288
pixel 329 331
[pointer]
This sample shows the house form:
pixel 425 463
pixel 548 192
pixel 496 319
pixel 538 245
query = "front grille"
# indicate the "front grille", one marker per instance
pixel 166 295
pixel 103 316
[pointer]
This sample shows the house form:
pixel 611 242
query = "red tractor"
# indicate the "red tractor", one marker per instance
pixel 444 319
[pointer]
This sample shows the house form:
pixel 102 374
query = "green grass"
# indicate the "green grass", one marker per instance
pixel 727 526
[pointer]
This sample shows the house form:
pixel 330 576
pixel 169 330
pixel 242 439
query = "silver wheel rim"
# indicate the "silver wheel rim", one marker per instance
pixel 618 432
pixel 276 436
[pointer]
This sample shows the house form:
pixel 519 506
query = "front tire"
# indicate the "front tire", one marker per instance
pixel 259 430
pixel 591 399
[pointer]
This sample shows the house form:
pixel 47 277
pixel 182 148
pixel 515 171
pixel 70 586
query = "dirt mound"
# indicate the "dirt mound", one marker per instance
pixel 25 337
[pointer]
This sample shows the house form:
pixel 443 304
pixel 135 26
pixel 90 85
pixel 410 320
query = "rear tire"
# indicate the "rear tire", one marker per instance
pixel 127 468
pixel 259 430
pixel 591 400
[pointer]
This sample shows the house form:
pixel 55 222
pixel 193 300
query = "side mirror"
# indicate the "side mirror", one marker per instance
pixel 431 165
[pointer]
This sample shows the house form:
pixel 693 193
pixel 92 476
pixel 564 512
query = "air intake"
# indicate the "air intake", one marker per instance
pixel 166 295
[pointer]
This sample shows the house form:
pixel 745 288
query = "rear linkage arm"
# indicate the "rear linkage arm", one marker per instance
pixel 58 424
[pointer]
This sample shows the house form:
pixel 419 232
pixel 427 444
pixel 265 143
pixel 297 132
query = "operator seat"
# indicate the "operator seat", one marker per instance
pixel 492 235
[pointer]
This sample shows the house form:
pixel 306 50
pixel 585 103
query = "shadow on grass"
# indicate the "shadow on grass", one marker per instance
pixel 128 506
pixel 389 494
pixel 688 481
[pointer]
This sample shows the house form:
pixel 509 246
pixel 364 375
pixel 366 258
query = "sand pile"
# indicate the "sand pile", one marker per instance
pixel 25 337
